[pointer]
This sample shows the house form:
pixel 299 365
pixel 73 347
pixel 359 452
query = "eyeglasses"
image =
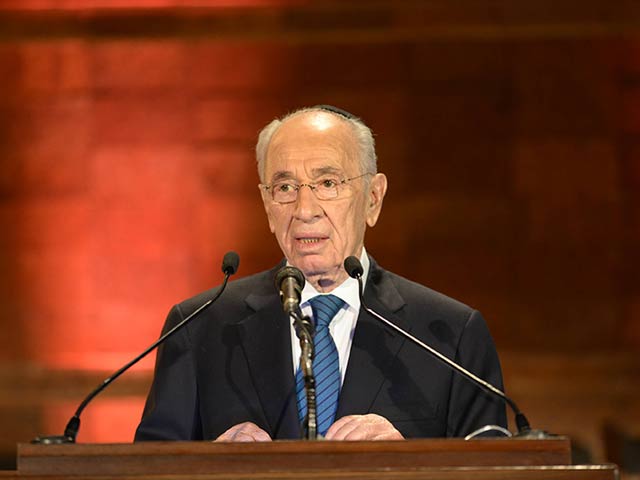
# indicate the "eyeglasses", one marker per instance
pixel 327 188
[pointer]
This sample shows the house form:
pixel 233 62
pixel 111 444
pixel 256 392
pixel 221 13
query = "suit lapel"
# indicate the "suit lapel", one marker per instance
pixel 267 348
pixel 266 342
pixel 374 346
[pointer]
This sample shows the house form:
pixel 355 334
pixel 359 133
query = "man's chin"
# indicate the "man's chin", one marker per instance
pixel 314 266
pixel 322 275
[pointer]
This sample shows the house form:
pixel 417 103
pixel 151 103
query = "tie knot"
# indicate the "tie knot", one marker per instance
pixel 325 308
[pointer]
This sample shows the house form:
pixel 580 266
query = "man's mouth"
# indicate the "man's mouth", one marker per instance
pixel 309 240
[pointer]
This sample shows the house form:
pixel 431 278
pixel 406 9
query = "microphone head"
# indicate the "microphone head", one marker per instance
pixel 353 267
pixel 230 263
pixel 289 272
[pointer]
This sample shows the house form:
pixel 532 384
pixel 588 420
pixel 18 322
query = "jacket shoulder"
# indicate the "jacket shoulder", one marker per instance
pixel 418 296
pixel 235 294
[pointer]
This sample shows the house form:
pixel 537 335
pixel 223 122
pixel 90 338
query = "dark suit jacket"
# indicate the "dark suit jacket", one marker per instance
pixel 233 364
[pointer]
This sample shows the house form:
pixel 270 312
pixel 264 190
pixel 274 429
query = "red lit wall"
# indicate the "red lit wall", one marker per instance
pixel 129 183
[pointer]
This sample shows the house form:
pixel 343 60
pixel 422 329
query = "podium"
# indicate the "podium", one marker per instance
pixel 451 459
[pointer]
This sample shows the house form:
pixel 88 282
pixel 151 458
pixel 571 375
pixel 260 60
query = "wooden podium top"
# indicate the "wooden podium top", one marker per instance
pixel 441 459
pixel 286 456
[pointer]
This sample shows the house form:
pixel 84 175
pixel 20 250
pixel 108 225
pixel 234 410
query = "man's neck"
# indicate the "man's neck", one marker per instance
pixel 323 284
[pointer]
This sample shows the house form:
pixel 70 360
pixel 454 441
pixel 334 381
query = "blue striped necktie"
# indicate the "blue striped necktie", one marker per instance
pixel 326 366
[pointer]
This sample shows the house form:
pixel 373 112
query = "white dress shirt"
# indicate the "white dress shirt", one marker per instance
pixel 343 324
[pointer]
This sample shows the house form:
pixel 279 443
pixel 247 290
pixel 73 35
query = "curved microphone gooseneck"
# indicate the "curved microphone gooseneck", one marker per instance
pixel 230 264
pixel 354 269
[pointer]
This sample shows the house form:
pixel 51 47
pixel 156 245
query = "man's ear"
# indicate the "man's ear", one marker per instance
pixel 377 191
pixel 266 202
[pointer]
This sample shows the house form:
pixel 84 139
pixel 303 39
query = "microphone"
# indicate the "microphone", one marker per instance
pixel 354 269
pixel 290 282
pixel 230 264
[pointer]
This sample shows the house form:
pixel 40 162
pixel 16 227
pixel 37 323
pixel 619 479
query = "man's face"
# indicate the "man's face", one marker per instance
pixel 317 235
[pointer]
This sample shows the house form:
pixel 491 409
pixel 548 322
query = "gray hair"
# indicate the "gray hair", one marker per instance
pixel 363 136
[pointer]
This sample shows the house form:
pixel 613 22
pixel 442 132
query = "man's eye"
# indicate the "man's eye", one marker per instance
pixel 328 183
pixel 283 187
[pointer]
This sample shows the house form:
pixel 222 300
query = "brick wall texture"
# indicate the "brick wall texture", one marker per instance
pixel 511 139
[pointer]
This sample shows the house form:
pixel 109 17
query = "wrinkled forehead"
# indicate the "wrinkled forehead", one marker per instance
pixel 313 141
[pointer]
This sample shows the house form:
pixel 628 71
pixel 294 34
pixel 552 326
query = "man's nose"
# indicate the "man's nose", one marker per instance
pixel 307 205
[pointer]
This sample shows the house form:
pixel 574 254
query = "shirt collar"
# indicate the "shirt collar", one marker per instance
pixel 347 291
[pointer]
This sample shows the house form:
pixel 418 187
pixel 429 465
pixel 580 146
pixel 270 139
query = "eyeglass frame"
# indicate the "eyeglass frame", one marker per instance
pixel 312 187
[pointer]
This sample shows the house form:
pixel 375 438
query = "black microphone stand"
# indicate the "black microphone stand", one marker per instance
pixel 305 331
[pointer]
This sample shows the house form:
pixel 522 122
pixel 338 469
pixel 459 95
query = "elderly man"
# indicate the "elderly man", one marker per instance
pixel 234 375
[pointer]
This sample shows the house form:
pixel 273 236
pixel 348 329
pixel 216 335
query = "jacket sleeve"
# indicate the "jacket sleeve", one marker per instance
pixel 470 407
pixel 171 411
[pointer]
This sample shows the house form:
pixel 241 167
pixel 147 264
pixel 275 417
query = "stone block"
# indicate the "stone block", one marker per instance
pixel 459 65
pixel 46 146
pixel 465 115
pixel 54 67
pixel 139 65
pixel 559 97
pixel 153 118
pixel 237 66
pixel 351 65
pixel 630 335
pixel 233 118
pixel 564 167
pixel 228 169
pixel 131 175
pixel 572 189
pixel 631 110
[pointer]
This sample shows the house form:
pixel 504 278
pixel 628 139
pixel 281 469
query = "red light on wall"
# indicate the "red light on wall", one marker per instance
pixel 106 420
pixel 136 4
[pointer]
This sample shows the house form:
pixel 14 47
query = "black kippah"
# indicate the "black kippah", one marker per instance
pixel 338 111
